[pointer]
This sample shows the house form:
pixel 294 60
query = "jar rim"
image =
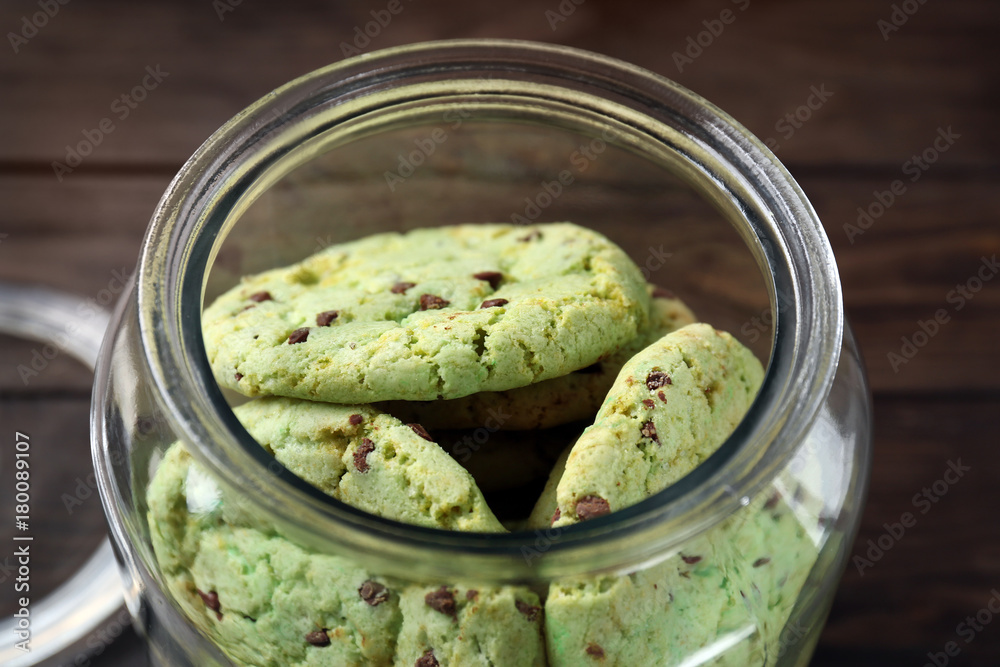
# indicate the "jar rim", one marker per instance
pixel 719 156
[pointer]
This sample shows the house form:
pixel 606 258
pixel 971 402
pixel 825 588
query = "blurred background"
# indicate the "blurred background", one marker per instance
pixel 884 111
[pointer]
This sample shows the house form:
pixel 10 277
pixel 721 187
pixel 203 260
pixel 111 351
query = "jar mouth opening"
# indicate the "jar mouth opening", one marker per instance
pixel 710 150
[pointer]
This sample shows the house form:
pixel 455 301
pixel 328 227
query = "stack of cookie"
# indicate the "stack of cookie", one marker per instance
pixel 528 353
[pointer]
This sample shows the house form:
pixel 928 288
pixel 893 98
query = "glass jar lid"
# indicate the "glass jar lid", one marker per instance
pixel 61 624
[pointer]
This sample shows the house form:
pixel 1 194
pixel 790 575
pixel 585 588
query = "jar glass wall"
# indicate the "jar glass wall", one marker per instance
pixel 736 563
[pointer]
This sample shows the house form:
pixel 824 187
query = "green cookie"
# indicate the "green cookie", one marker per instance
pixel 470 627
pixel 371 461
pixel 429 314
pixel 672 405
pixel 726 597
pixel 268 602
pixel 263 600
pixel 572 397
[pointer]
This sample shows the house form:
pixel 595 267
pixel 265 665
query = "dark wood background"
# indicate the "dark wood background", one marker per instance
pixel 890 97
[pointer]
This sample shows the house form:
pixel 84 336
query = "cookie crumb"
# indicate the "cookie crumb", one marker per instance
pixel 298 336
pixel 649 403
pixel 211 600
pixel 318 638
pixel 326 318
pixel 442 600
pixel 592 507
pixel 530 611
pixel 471 594
pixel 494 278
pixel 261 296
pixel 432 302
pixel 239 376
pixel 421 431
pixel 662 396
pixel 400 288
pixel 595 650
pixel 493 303
pixel 355 419
pixel 648 430
pixel 361 454
pixel 373 593
pixel 657 379
pixel 427 660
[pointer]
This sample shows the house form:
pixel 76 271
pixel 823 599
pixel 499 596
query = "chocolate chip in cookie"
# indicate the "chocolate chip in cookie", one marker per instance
pixel 432 302
pixel 592 507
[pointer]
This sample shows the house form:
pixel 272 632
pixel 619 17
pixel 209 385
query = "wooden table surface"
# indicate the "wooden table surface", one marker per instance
pixel 889 84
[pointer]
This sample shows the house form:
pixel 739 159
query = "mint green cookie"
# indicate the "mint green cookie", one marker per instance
pixel 471 627
pixel 263 600
pixel 672 405
pixel 572 397
pixel 429 314
pixel 370 460
pixel 270 603
pixel 725 597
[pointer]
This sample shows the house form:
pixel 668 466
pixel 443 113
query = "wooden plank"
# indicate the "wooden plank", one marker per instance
pixel 889 97
pixel 80 235
pixel 947 565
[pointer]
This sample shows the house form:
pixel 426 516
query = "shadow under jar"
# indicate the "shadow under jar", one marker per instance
pixel 735 564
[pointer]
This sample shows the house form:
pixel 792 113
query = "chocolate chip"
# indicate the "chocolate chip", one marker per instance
pixel 649 403
pixel 421 431
pixel 261 296
pixel 595 650
pixel 318 638
pixel 556 515
pixel 427 660
pixel 442 600
pixel 657 379
pixel 326 317
pixel 593 368
pixel 591 507
pixel 662 396
pixel 761 561
pixel 493 303
pixel 211 600
pixel 772 502
pixel 432 302
pixel 361 454
pixel 471 594
pixel 663 293
pixel 373 593
pixel 298 336
pixel 648 430
pixel 239 376
pixel 691 560
pixel 354 420
pixel 400 288
pixel 530 611
pixel 494 278
pixel 531 236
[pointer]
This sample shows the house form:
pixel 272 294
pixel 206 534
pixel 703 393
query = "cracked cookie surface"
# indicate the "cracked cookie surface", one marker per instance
pixel 429 314
pixel 561 400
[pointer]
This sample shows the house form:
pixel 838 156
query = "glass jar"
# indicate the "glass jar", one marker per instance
pixel 735 564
